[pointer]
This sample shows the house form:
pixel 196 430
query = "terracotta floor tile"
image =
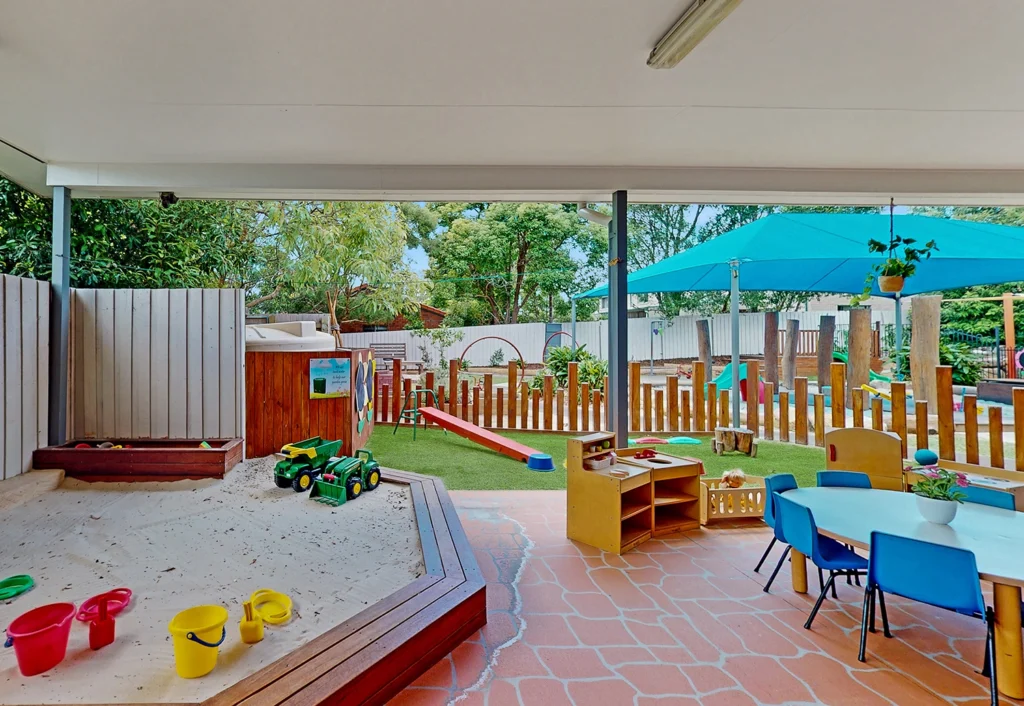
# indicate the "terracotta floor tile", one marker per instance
pixel 897 688
pixel 571 573
pixel 502 693
pixel 667 701
pixel 766 680
pixel 573 662
pixel 549 692
pixel 470 660
pixel 728 698
pixel 543 598
pixel 417 696
pixel 657 679
pixel 716 631
pixel 651 635
pixel 602 692
pixel 688 636
pixel 830 681
pixel 600 632
pixel 441 675
pixel 500 629
pixel 518 660
pixel 550 630
pixel 706 679
pixel 757 637
pixel 620 589
pixel 615 656
pixel 499 596
pixel 688 587
pixel 592 605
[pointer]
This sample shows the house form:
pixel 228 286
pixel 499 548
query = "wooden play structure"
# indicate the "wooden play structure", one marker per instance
pixel 720 501
pixel 879 454
pixel 625 504
pixel 141 460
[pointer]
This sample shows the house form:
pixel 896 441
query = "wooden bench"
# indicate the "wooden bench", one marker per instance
pixel 386 352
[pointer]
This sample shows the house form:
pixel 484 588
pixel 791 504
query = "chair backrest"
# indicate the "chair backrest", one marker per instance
pixel 989 496
pixel 877 453
pixel 942 576
pixel 843 479
pixel 778 483
pixel 798 527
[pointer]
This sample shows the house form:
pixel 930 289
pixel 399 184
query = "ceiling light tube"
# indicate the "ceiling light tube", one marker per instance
pixel 689 31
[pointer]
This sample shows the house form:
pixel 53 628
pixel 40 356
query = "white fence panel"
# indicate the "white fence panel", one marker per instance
pixel 528 338
pixel 158 363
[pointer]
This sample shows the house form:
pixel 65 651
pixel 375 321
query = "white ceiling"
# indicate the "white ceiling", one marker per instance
pixel 810 98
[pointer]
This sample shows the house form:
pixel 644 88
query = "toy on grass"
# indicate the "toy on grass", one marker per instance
pixel 14 586
pixel 302 462
pixel 647 440
pixel 251 625
pixel 345 478
pixel 101 630
pixel 683 440
pixel 541 463
pixel 735 478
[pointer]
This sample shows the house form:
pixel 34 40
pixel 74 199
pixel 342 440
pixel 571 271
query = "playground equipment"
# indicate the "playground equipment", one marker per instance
pixel 302 462
pixel 479 435
pixel 414 414
pixel 724 382
pixel 522 361
pixel 841 357
pixel 345 478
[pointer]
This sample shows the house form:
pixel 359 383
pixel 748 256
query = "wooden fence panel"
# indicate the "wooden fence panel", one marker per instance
pixel 684 409
pixel 634 397
pixel 513 372
pixel 971 427
pixel 476 405
pixel 858 408
pixel 995 436
pixel 800 411
pixel 753 397
pixel 177 361
pixel 464 393
pixel 838 392
pixel 698 396
pixel 648 415
pixel 524 404
pixel 488 399
pixel 454 367
pixel 597 411
pixel 549 391
pixel 819 420
pixel 769 410
pixel 944 389
pixel 659 410
pixel 535 404
pixel 877 422
pixel 585 407
pixel 1018 427
pixel 672 398
pixel 499 402
pixel 921 423
pixel 784 416
pixel 712 403
pixel 723 408
pixel 899 413
pixel 560 409
pixel 574 395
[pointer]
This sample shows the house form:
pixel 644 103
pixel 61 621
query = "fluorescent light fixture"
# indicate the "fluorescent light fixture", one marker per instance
pixel 689 31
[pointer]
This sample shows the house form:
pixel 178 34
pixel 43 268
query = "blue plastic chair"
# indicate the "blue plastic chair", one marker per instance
pixel 802 534
pixel 843 479
pixel 988 496
pixel 774 484
pixel 945 577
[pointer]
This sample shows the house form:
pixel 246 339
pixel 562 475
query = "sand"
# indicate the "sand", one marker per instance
pixel 188 543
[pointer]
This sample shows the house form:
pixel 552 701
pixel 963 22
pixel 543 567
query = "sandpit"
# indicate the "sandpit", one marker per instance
pixel 189 543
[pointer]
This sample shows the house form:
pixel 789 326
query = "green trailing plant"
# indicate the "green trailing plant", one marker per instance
pixel 896 264
pixel 590 369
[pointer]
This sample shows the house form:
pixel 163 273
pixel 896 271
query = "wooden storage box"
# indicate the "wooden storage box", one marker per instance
pixel 724 503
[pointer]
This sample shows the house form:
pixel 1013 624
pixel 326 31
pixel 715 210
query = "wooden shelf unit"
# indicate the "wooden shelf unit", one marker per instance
pixel 654 496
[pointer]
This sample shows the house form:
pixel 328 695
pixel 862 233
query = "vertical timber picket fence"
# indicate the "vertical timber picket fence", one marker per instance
pixel 158 363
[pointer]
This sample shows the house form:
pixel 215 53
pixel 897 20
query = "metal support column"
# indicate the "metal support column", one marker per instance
pixel 60 315
pixel 618 351
pixel 734 311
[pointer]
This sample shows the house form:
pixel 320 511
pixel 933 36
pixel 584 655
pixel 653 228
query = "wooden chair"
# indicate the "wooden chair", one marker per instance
pixel 879 454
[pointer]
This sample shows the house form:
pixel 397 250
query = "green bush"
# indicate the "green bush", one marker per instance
pixel 965 363
pixel 497 358
pixel 591 370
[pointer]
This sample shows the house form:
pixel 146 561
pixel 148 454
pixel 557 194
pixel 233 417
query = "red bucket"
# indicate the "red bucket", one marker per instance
pixel 40 637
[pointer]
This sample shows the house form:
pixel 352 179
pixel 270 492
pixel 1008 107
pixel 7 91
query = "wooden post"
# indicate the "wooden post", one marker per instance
pixel 684 409
pixel 597 411
pixel 535 398
pixel 921 423
pixel 784 416
pixel 1018 426
pixel 430 386
pixel 769 410
pixel 826 347
pixel 672 394
pixel 899 413
pixel 574 395
pixel 1008 323
pixel 924 349
pixel 465 399
pixel 771 348
pixel 513 385
pixel 712 406
pixel 549 390
pixel 384 416
pixel 858 408
pixel 659 410
pixel 877 422
pixel 524 404
pixel 585 407
pixel 440 397
pixel 971 427
pixel 476 405
pixel 698 396
pixel 789 356
pixel 944 389
pixel 488 399
pixel 704 344
pixel 499 404
pixel 634 396
pixel 800 411
pixel 995 437
pixel 396 388
pixel 753 397
pixel 858 349
pixel 560 409
pixel 819 419
pixel 723 408
pixel 837 375
pixel 454 367
pixel 648 416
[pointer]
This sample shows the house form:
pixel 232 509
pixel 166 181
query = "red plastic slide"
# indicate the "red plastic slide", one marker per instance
pixel 494 442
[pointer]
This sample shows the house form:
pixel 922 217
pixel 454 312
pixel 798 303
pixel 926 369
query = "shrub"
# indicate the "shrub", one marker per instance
pixel 966 364
pixel 497 358
pixel 590 369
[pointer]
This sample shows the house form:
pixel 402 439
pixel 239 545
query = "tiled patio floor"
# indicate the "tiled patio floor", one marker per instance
pixel 682 621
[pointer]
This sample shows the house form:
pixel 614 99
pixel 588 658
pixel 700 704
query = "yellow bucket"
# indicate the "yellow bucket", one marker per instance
pixel 198 633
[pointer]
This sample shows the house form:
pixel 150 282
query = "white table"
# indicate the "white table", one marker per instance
pixel 996 537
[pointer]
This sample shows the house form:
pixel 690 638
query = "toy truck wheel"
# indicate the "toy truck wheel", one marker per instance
pixel 281 481
pixel 373 478
pixel 354 487
pixel 303 482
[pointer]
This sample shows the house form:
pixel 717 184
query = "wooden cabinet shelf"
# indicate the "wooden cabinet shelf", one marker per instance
pixel 672 498
pixel 633 510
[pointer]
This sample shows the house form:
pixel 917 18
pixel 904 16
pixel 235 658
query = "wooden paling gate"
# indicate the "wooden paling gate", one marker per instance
pixel 669 407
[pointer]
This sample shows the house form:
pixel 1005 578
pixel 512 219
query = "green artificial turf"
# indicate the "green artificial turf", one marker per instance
pixel 464 465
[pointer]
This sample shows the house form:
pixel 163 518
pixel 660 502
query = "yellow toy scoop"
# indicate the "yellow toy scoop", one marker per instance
pixel 251 626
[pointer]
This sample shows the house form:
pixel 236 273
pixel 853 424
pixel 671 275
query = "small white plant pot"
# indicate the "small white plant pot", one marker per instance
pixel 940 512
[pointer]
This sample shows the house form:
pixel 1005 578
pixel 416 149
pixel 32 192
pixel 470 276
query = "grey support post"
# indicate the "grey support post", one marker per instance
pixel 60 315
pixel 734 311
pixel 618 352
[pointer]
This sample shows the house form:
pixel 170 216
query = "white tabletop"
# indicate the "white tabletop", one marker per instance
pixel 996 536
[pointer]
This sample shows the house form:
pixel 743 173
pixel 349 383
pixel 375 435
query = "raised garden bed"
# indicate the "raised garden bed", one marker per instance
pixel 145 460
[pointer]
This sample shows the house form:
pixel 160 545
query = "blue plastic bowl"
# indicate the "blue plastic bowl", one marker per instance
pixel 540 462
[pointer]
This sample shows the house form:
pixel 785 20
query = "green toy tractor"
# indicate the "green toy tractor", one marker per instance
pixel 303 462
pixel 346 478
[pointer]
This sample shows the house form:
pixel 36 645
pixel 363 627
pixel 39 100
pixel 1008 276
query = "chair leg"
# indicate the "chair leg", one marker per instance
pixel 814 611
pixel 821 580
pixel 782 560
pixel 765 555
pixel 865 613
pixel 885 617
pixel 871 618
pixel 990 649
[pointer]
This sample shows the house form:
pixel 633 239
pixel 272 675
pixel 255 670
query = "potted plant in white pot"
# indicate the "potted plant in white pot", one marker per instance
pixel 938 494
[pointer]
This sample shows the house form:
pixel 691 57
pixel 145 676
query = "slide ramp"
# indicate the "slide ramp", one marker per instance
pixel 479 435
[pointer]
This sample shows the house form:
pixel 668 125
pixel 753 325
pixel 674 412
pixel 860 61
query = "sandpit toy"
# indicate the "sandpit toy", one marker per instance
pixel 116 600
pixel 271 606
pixel 542 463
pixel 101 630
pixel 40 637
pixel 302 462
pixel 345 478
pixel 198 633
pixel 14 586
pixel 251 625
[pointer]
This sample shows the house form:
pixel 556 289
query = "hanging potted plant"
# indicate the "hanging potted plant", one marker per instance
pixel 938 494
pixel 897 267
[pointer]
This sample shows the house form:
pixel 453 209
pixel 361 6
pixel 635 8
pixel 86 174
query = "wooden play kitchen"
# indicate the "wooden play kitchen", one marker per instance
pixel 617 503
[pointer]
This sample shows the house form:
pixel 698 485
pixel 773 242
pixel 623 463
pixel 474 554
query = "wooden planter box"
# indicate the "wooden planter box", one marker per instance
pixel 724 503
pixel 146 460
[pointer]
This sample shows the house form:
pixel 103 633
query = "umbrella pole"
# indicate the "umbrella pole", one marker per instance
pixel 734 310
pixel 899 336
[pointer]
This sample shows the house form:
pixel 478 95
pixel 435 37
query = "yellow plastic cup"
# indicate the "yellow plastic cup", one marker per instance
pixel 198 633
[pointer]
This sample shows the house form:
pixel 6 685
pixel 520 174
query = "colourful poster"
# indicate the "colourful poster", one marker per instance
pixel 329 377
